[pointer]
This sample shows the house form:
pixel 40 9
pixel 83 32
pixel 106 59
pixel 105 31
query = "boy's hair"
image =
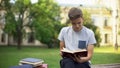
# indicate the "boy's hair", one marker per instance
pixel 75 13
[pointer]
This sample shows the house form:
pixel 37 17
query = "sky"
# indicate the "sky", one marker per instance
pixel 107 3
pixel 75 2
pixel 66 2
pixel 34 1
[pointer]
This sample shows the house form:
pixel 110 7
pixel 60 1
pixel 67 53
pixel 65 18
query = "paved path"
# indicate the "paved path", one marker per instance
pixel 117 65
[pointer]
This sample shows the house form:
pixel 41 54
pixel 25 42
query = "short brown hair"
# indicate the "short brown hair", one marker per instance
pixel 75 13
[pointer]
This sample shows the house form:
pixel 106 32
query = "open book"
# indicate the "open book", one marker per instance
pixel 70 54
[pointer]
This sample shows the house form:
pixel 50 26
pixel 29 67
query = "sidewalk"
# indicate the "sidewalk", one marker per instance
pixel 116 65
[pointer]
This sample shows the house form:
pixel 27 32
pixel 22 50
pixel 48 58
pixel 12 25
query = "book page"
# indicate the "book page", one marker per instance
pixel 66 50
pixel 69 51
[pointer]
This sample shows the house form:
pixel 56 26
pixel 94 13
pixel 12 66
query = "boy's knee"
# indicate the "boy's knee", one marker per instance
pixel 65 60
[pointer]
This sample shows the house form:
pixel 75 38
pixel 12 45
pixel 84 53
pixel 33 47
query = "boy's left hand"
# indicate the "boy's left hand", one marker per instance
pixel 79 59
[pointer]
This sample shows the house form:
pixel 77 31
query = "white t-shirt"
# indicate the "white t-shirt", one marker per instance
pixel 75 40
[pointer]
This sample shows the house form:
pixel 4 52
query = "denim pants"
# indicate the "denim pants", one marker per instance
pixel 69 63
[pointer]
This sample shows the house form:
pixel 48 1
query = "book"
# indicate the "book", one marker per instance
pixel 71 54
pixel 22 66
pixel 32 61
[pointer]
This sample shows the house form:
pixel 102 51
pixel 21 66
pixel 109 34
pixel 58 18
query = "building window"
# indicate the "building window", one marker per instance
pixel 31 37
pixel 3 38
pixel 106 38
pixel 93 21
pixel 105 22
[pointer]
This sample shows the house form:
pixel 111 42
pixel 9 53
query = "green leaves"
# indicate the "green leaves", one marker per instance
pixel 26 2
pixel 44 21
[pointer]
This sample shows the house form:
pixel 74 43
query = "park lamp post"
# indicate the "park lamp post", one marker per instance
pixel 115 15
pixel 115 21
pixel 116 32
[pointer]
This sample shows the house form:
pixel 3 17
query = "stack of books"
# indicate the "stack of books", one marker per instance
pixel 32 61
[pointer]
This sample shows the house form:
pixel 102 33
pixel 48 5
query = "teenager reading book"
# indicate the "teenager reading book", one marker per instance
pixel 76 37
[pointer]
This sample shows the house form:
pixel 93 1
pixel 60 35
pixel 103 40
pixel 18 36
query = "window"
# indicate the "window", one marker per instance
pixel 105 22
pixel 3 38
pixel 106 38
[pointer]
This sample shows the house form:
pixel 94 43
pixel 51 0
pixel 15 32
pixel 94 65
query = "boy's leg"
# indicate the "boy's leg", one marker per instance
pixel 67 63
pixel 82 65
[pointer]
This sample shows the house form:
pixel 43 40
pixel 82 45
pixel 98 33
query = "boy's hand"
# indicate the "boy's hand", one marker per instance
pixel 80 59
pixel 61 53
pixel 77 58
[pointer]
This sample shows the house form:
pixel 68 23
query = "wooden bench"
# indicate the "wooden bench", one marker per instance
pixel 42 66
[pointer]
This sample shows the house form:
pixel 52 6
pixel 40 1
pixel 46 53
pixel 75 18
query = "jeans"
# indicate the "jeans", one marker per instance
pixel 70 63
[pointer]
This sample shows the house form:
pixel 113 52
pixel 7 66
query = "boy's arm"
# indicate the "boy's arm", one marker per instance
pixel 62 45
pixel 90 50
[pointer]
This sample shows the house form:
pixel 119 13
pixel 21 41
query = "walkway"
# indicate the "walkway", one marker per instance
pixel 117 65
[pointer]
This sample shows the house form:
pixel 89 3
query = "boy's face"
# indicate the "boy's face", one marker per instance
pixel 77 24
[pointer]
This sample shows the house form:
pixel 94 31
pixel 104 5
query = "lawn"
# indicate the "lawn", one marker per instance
pixel 10 56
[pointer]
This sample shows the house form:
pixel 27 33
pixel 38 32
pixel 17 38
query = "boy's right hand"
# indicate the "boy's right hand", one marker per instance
pixel 61 53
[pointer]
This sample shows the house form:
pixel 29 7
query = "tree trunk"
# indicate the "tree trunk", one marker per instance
pixel 19 39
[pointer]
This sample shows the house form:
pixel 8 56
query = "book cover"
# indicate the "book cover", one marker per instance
pixel 22 66
pixel 32 61
pixel 70 54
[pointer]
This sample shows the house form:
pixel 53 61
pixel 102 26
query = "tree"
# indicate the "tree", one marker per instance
pixel 46 22
pixel 41 18
pixel 15 18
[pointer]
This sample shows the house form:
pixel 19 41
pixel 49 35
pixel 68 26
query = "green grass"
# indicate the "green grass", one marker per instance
pixel 10 56
pixel 106 55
